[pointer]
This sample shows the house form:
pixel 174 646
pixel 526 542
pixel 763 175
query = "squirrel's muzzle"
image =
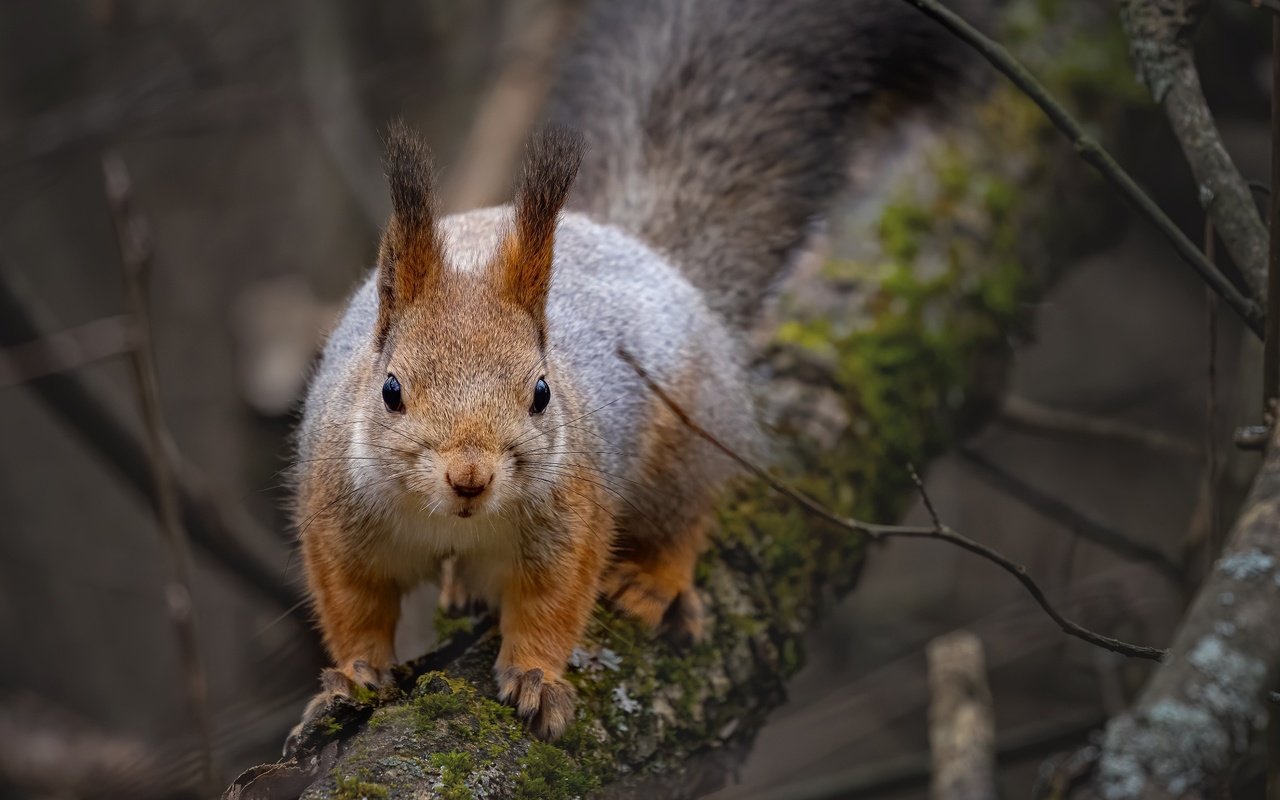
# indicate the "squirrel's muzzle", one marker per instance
pixel 468 475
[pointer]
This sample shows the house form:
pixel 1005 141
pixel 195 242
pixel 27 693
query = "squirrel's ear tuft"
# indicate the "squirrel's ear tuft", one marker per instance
pixel 409 171
pixel 551 163
pixel 411 255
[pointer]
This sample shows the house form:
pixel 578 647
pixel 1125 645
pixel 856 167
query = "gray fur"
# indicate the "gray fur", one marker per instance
pixel 717 131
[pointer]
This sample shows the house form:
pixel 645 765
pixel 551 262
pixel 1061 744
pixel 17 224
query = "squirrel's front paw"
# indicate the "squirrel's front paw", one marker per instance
pixel 336 683
pixel 546 704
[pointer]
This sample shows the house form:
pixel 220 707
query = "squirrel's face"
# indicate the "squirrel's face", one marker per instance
pixel 466 415
pixel 463 410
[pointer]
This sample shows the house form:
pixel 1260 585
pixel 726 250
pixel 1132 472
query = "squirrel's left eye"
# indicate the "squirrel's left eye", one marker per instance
pixel 391 394
pixel 541 396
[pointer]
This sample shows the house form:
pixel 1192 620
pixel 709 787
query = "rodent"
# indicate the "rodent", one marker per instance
pixel 472 411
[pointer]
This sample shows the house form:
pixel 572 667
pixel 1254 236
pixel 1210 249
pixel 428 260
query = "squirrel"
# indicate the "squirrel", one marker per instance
pixel 473 415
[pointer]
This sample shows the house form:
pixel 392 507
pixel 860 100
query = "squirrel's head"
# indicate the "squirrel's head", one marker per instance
pixel 464 412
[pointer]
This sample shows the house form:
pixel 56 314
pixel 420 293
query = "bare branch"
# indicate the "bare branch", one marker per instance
pixel 1205 528
pixel 1160 37
pixel 962 727
pixel 1271 353
pixel 875 531
pixel 136 254
pixel 1094 154
pixel 65 350
pixel 1081 525
pixel 1029 414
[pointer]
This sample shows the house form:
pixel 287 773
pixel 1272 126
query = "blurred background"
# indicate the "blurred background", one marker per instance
pixel 251 135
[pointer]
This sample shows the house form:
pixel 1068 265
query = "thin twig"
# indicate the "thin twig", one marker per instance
pixel 1211 404
pixel 1081 525
pixel 1271 354
pixel 1204 533
pixel 135 255
pixel 1029 414
pixel 1099 158
pixel 875 531
pixel 65 350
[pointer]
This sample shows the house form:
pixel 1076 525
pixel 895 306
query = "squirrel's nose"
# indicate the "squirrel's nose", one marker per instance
pixel 469 484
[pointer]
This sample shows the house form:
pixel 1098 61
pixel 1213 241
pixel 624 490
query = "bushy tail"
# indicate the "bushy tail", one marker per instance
pixel 717 130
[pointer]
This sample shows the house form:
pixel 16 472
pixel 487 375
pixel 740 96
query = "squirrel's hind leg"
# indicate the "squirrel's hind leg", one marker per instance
pixel 456 599
pixel 653 580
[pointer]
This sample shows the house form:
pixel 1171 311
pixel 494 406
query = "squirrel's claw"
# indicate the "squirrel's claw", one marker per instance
pixel 546 705
pixel 335 683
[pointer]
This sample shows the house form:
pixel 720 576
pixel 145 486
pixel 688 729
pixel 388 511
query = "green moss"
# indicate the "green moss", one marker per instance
pixel 998 197
pixel 363 695
pixel 454 769
pixel 814 337
pixel 352 787
pixel 547 773
pixel 437 695
pixel 447 625
pixel 470 716
pixel 901 225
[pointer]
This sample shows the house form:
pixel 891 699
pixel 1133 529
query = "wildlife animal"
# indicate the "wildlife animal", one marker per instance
pixel 474 418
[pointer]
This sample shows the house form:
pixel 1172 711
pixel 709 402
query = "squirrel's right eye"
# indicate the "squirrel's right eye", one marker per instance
pixel 391 394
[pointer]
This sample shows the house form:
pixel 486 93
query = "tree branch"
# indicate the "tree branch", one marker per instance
pixel 1100 159
pixel 1080 525
pixel 135 259
pixel 962 727
pixel 1204 703
pixel 65 350
pixel 1160 36
pixel 1028 414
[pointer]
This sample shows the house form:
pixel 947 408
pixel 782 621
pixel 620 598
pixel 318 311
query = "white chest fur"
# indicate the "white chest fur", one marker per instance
pixel 408 544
